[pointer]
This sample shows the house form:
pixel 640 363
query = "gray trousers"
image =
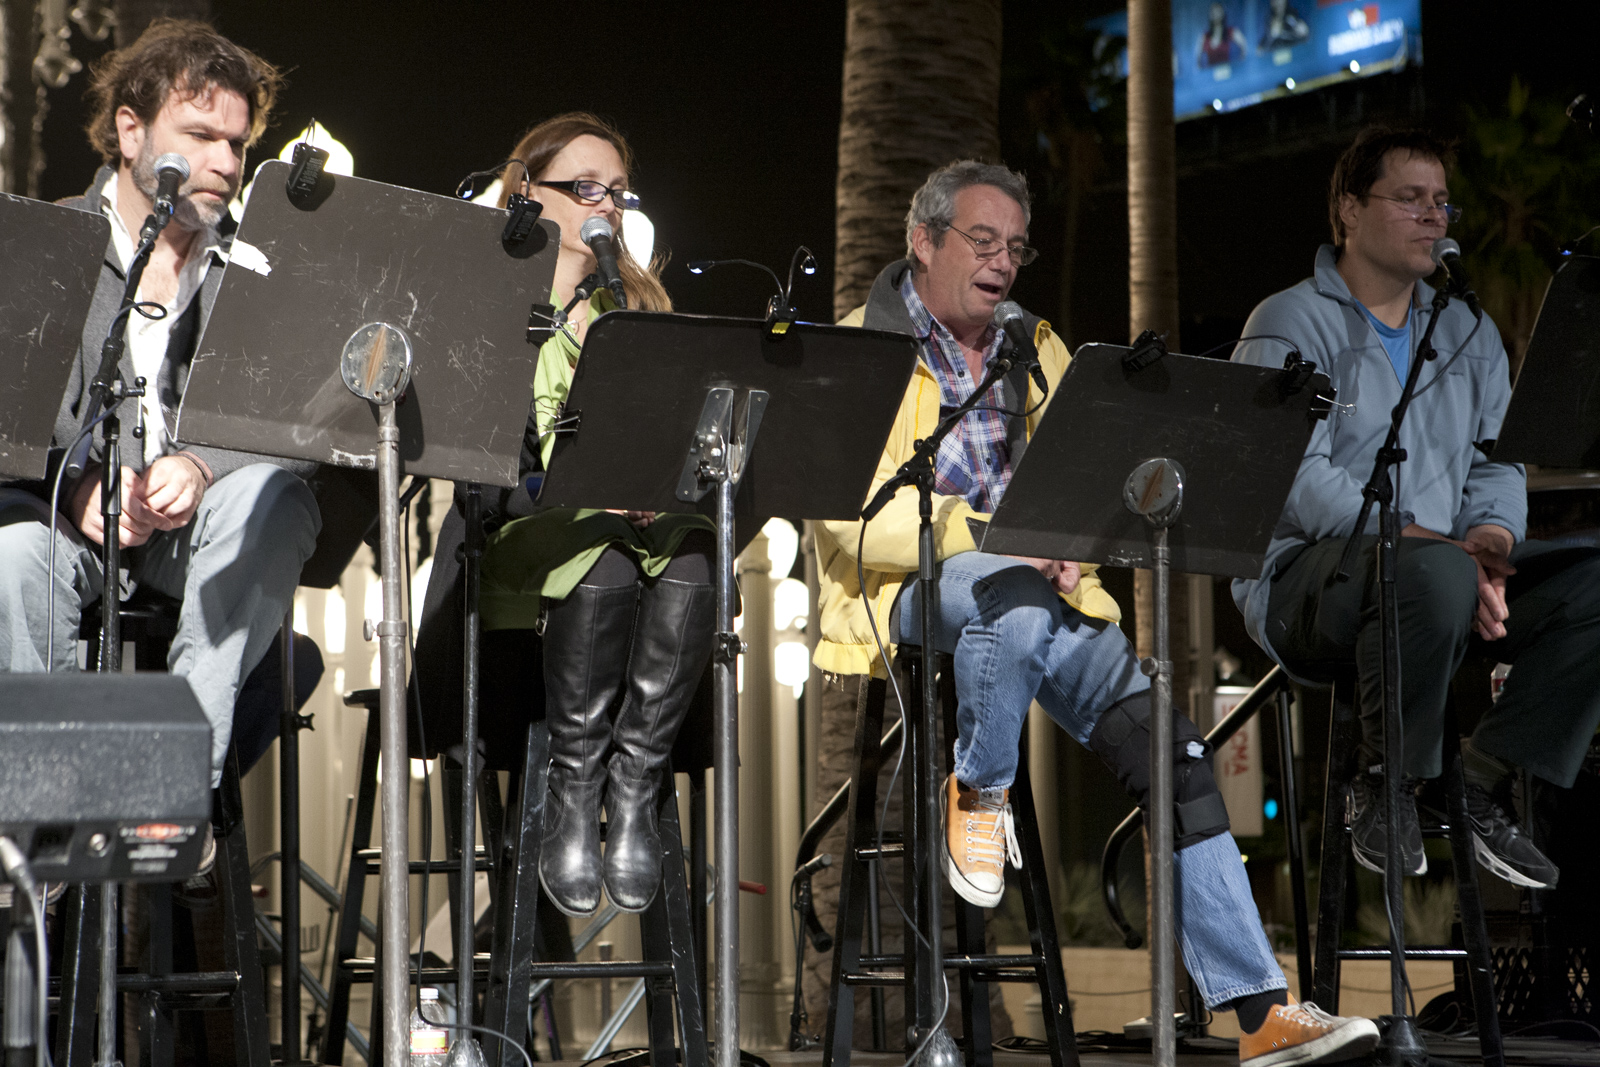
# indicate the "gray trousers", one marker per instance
pixel 235 567
pixel 1548 711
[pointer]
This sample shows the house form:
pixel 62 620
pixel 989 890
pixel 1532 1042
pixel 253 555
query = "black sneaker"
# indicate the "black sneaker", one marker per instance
pixel 1502 848
pixel 1369 830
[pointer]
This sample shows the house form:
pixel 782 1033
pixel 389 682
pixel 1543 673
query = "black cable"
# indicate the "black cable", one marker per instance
pixel 55 498
pixel 1250 337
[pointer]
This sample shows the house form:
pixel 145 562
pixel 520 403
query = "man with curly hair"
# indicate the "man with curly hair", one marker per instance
pixel 224 531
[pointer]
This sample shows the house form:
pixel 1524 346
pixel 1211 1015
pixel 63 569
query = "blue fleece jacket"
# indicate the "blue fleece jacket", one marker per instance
pixel 1445 484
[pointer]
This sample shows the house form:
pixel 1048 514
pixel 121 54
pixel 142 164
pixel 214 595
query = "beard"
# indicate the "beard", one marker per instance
pixel 188 213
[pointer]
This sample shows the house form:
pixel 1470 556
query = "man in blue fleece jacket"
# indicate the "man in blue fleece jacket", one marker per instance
pixel 1468 582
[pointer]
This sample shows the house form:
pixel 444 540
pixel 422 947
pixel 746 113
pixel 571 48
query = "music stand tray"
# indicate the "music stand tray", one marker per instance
pixel 638 392
pixel 1553 419
pixel 306 275
pixel 50 259
pixel 1236 434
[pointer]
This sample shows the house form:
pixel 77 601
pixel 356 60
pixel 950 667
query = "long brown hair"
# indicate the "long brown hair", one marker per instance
pixel 540 145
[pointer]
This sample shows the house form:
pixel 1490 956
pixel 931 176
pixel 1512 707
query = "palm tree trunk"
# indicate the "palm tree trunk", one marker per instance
pixel 21 97
pixel 921 88
pixel 1153 241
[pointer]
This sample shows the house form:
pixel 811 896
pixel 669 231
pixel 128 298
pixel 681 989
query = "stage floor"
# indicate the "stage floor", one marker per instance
pixel 1520 1052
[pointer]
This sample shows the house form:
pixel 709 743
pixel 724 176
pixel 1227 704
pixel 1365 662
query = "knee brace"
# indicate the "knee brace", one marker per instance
pixel 1122 741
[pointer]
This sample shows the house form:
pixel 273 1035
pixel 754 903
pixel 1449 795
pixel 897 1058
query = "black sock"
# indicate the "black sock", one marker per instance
pixel 1252 1010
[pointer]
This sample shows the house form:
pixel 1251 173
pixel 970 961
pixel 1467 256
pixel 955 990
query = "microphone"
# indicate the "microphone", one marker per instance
pixel 1009 317
pixel 1446 253
pixel 172 170
pixel 596 233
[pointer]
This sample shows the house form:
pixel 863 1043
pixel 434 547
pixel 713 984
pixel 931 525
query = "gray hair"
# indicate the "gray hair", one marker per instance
pixel 934 205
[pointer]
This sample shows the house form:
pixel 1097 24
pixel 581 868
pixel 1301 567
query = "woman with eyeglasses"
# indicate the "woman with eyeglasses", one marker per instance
pixel 624 600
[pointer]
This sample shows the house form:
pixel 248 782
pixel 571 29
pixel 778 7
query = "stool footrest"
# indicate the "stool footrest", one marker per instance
pixel 603 969
pixel 1420 952
pixel 890 850
pixel 200 982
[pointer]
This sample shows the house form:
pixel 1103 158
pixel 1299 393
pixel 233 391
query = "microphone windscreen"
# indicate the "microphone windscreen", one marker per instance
pixel 593 227
pixel 1444 246
pixel 1007 311
pixel 173 161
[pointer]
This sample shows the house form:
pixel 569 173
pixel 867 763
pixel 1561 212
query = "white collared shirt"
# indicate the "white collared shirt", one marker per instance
pixel 147 338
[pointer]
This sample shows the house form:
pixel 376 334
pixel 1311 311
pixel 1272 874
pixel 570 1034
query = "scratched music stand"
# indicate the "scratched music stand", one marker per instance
pixel 663 416
pixel 364 325
pixel 1182 463
pixel 50 261
pixel 1554 415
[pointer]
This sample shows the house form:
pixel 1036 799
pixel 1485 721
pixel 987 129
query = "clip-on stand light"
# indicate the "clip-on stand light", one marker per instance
pixel 781 313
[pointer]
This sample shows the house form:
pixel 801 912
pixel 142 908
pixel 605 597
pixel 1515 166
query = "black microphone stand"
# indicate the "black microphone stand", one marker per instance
pixel 107 392
pixel 1401 1037
pixel 919 470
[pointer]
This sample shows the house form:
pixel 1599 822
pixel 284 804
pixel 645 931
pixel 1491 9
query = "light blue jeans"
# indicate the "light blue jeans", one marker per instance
pixel 235 566
pixel 1015 641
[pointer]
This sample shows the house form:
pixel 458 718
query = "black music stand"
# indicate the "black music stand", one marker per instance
pixel 1554 415
pixel 1184 462
pixel 364 325
pixel 663 410
pixel 50 261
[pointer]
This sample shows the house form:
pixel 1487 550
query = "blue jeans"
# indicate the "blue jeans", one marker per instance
pixel 235 566
pixel 1015 641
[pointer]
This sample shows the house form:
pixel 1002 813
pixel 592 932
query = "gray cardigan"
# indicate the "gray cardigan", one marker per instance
pixel 174 369
pixel 1445 484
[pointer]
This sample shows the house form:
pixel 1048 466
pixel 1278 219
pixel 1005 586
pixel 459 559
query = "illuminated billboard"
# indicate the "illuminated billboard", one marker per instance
pixel 1229 54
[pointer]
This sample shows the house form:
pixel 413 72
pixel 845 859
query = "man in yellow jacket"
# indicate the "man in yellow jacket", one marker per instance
pixel 1029 629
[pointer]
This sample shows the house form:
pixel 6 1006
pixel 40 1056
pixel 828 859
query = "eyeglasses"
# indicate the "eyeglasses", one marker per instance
pixel 1417 209
pixel 987 248
pixel 594 192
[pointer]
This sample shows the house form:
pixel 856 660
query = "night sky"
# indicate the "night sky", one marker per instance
pixel 733 109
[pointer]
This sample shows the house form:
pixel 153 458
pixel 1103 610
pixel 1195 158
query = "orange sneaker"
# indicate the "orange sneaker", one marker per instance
pixel 978 839
pixel 1304 1033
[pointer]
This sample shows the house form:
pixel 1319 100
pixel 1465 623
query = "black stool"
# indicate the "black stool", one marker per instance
pixel 1471 956
pixel 1042 967
pixel 150 622
pixel 363 862
pixel 667 928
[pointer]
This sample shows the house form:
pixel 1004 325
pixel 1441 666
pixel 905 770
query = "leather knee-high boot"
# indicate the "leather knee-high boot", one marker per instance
pixel 586 640
pixel 671 644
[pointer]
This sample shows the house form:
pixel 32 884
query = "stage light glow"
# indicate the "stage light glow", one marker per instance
pixel 1270 808
pixel 791 663
pixel 340 161
pixel 1355 68
pixel 783 542
pixel 1288 83
pixel 791 603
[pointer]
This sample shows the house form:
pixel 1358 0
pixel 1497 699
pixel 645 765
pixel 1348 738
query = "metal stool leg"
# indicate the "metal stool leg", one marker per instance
pixel 80 977
pixel 1335 870
pixel 1041 915
pixel 505 1001
pixel 861 819
pixel 1297 858
pixel 240 952
pixel 350 917
pixel 1480 965
pixel 977 1026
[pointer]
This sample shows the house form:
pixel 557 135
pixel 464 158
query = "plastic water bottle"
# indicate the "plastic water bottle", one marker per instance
pixel 430 1041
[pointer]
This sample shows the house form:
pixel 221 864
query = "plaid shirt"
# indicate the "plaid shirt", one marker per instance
pixel 974 461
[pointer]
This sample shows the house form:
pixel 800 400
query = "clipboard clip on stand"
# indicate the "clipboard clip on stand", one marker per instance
pixel 1147 349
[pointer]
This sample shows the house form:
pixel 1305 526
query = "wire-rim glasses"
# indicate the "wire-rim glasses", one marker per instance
pixel 987 248
pixel 1418 209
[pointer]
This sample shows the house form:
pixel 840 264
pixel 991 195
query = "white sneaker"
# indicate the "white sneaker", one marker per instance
pixel 979 836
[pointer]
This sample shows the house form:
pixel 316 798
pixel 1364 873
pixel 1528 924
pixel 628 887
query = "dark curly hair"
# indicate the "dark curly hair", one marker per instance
pixel 175 55
pixel 1361 165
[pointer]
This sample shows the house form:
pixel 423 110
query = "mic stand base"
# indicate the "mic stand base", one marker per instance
pixel 1400 1042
